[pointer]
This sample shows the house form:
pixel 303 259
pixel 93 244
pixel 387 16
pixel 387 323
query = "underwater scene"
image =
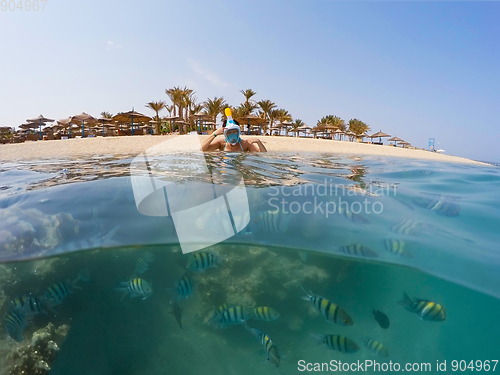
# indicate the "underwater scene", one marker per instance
pixel 276 263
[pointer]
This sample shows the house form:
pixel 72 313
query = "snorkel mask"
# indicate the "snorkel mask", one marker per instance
pixel 232 138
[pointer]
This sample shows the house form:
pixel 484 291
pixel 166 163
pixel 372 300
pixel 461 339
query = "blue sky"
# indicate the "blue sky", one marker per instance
pixel 412 69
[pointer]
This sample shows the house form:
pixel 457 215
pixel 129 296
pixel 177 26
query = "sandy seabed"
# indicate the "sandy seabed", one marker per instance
pixel 79 147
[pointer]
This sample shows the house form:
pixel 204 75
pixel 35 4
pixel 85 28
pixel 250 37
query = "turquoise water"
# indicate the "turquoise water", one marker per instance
pixel 445 215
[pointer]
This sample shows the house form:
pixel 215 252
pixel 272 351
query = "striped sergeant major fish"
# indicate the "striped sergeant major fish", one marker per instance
pixel 141 266
pixel 183 288
pixel 271 349
pixel 337 342
pixel 28 304
pixel 330 311
pixel 84 275
pixel 408 226
pixel 15 322
pixel 358 251
pixel 376 347
pixel 264 313
pixel 232 316
pixel 57 292
pixel 98 241
pixel 203 260
pixel 396 247
pixel 219 310
pixel 149 256
pixel 426 310
pixel 443 205
pixel 354 217
pixel 270 221
pixel 135 287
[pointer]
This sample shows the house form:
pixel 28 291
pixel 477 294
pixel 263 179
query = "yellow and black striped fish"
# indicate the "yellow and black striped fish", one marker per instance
pixel 15 322
pixel 354 217
pixel 136 288
pixel 57 292
pixel 183 287
pixel 337 342
pixel 271 349
pixel 426 310
pixel 270 221
pixel 330 311
pixel 203 260
pixel 264 313
pixel 444 206
pixel 376 347
pixel 359 251
pixel 396 247
pixel 232 316
pixel 28 304
pixel 407 226
pixel 219 310
pixel 141 266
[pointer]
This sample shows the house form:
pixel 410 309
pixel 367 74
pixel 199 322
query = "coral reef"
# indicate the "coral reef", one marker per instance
pixel 36 357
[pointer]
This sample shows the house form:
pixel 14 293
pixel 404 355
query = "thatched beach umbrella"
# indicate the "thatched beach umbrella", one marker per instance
pixel 340 133
pixel 130 117
pixel 303 128
pixel 380 135
pixel 153 123
pixel 80 120
pixel 172 119
pixel 104 121
pixel 251 120
pixel 395 139
pixel 200 116
pixel 40 120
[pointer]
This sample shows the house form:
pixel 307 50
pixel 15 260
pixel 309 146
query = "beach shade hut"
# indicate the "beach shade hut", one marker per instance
pixel 286 125
pixel 340 133
pixel 103 121
pixel 152 123
pixel 80 120
pixel 351 134
pixel 250 120
pixel 404 144
pixel 183 125
pixel 395 139
pixel 210 125
pixel 199 117
pixel 379 135
pixel 171 119
pixel 303 128
pixel 131 116
pixel 39 121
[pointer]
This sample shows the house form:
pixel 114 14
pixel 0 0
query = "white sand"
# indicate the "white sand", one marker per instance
pixel 172 143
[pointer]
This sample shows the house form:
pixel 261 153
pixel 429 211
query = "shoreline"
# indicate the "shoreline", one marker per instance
pixel 35 150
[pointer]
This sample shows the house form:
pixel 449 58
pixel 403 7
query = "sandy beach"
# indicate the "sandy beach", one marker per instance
pixel 174 143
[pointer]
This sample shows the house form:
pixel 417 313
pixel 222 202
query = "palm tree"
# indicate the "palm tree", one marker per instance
pixel 297 124
pixel 334 121
pixel 267 106
pixel 248 93
pixel 157 107
pixel 357 126
pixel 214 107
pixel 169 108
pixel 106 115
pixel 175 95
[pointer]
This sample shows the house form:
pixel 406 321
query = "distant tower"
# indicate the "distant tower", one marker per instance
pixel 431 144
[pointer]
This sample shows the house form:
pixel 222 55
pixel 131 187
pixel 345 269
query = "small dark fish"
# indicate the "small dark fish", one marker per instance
pixel 381 318
pixel 177 313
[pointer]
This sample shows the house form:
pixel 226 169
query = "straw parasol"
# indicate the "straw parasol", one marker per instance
pixel 81 118
pixel 395 139
pixel 152 123
pixel 103 121
pixel 40 120
pixel 171 118
pixel 130 117
pixel 380 135
pixel 251 120
pixel 200 116
pixel 303 128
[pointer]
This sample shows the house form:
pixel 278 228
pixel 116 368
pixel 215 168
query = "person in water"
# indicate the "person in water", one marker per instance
pixel 231 141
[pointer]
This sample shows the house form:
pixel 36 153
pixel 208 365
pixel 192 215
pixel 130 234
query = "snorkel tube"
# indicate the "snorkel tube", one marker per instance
pixel 231 138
